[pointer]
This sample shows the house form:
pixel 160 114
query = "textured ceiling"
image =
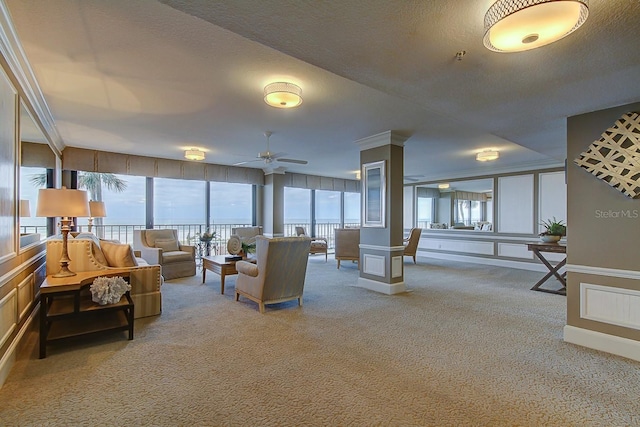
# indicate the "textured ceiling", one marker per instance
pixel 153 78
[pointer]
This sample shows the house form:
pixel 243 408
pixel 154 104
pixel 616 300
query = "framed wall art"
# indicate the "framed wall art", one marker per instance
pixel 373 200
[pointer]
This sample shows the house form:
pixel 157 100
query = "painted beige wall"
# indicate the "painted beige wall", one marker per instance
pixel 600 236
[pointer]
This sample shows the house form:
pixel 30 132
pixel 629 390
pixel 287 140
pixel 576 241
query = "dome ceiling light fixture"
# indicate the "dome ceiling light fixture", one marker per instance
pixel 443 186
pixel 194 154
pixel 283 95
pixel 519 25
pixel 487 155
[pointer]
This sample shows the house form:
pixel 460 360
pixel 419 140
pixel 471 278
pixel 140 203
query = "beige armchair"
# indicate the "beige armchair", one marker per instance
pixel 87 253
pixel 162 247
pixel 411 243
pixel 247 234
pixel 347 245
pixel 319 245
pixel 279 273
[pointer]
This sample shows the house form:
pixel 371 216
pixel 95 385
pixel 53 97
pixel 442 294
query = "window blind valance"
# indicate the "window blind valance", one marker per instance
pixel 468 195
pixel 81 159
pixel 425 192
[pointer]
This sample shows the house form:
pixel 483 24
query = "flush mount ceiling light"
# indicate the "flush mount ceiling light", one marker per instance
pixel 487 155
pixel 518 25
pixel 443 186
pixel 194 154
pixel 282 95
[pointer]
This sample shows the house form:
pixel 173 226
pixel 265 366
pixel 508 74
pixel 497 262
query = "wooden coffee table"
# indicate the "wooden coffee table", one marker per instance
pixel 219 265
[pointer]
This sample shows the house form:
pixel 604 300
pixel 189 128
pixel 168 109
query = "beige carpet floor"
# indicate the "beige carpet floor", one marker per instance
pixel 470 345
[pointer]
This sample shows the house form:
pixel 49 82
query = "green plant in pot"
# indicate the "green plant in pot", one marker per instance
pixel 554 230
pixel 248 248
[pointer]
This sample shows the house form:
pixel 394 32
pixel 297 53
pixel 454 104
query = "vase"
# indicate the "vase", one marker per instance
pixel 550 238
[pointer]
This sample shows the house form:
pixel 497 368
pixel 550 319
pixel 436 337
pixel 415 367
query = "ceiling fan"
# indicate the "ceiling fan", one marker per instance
pixel 269 157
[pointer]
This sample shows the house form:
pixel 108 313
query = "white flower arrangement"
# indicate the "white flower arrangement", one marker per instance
pixel 108 290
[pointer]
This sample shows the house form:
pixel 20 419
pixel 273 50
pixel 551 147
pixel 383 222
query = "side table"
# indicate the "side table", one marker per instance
pixel 67 311
pixel 537 249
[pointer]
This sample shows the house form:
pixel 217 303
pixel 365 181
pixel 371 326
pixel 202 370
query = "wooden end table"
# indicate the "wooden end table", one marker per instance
pixel 219 265
pixel 66 311
pixel 537 248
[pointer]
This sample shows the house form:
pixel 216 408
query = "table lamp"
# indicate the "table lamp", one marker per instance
pixel 64 203
pixel 97 210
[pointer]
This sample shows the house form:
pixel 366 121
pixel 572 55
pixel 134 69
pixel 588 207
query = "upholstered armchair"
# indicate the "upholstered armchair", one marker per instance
pixel 247 234
pixel 411 243
pixel 347 245
pixel 88 253
pixel 319 245
pixel 278 274
pixel 162 247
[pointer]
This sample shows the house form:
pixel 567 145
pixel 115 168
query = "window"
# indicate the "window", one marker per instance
pixel 327 213
pixel 178 201
pixel 125 207
pixel 31 180
pixel 425 211
pixel 352 209
pixel 297 209
pixel 231 203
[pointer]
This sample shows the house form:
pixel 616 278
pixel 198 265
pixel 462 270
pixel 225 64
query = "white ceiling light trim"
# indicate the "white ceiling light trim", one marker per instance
pixel 283 95
pixel 519 25
pixel 194 154
pixel 487 155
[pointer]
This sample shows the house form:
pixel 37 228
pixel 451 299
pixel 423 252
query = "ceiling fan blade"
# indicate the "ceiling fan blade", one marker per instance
pixel 300 162
pixel 247 161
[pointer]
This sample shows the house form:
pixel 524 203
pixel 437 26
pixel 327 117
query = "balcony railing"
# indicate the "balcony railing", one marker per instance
pixel 189 233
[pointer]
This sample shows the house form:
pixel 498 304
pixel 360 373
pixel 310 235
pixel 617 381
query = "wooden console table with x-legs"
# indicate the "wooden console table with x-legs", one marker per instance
pixel 537 249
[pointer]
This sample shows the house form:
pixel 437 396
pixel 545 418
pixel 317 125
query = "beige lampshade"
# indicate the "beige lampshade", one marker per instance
pixel 62 202
pixel 25 208
pixel 97 209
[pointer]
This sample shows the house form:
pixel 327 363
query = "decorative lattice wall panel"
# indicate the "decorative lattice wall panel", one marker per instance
pixel 615 157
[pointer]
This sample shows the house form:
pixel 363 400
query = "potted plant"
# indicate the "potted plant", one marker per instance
pixel 554 230
pixel 247 248
pixel 207 236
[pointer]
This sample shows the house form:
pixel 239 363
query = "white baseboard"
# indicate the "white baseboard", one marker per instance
pixel 604 342
pixel 384 288
pixel 531 266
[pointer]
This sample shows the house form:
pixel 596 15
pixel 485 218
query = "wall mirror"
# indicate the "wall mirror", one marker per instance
pixel 374 187
pixel 36 159
pixel 455 205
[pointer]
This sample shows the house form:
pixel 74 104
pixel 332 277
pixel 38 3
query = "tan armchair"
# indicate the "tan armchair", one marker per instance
pixel 279 273
pixel 347 245
pixel 411 243
pixel 87 253
pixel 247 234
pixel 319 245
pixel 162 247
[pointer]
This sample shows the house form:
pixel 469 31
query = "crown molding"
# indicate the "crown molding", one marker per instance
pixel 11 50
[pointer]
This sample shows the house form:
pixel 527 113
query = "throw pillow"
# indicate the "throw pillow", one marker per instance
pixel 167 245
pixel 95 246
pixel 118 254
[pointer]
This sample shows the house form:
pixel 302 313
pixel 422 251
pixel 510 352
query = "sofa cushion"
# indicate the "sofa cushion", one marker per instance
pixel 176 256
pixel 95 246
pixel 167 245
pixel 118 254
